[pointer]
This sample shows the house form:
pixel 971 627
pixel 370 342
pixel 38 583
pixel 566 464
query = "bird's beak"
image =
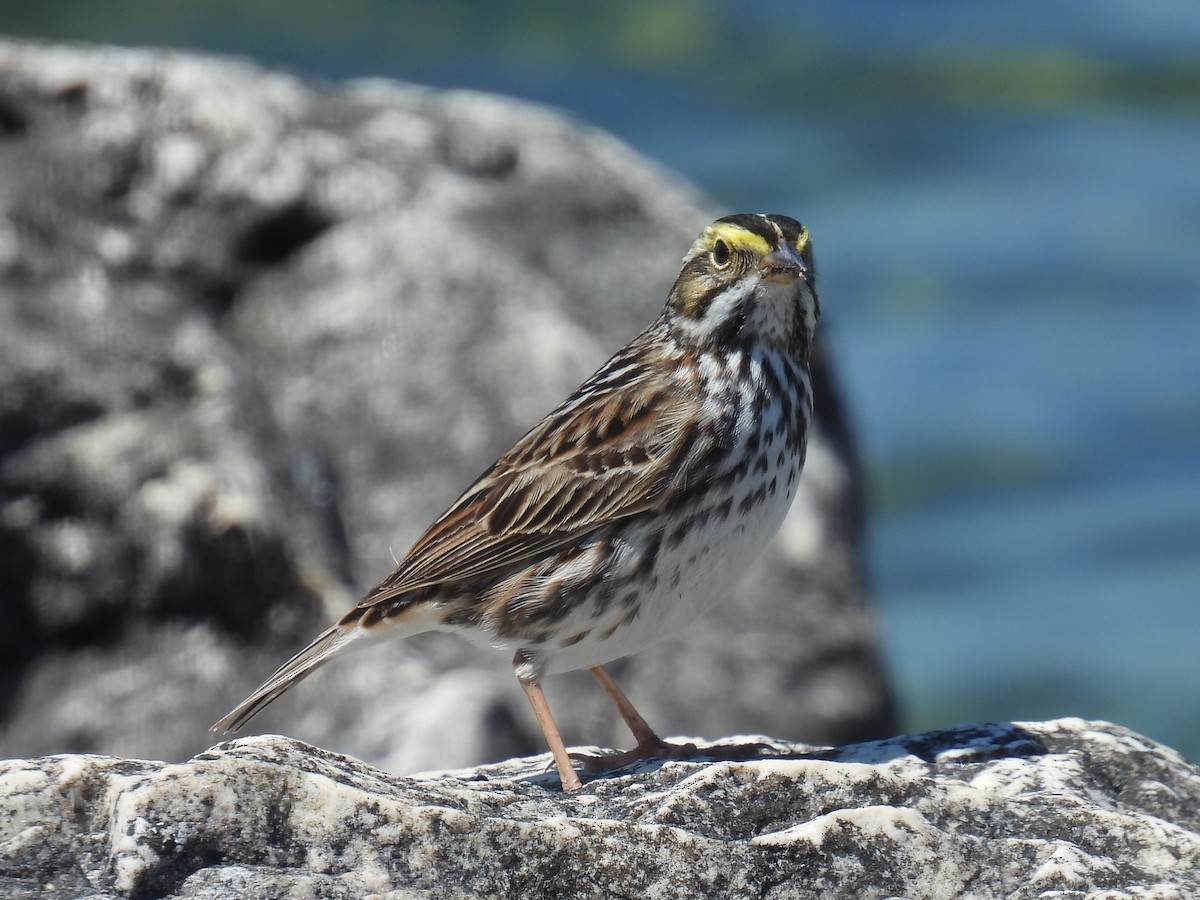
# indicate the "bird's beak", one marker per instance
pixel 783 266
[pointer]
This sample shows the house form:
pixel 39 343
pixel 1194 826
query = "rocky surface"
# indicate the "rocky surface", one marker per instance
pixel 256 333
pixel 1064 809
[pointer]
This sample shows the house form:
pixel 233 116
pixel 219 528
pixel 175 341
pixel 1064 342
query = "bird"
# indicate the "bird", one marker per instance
pixel 631 508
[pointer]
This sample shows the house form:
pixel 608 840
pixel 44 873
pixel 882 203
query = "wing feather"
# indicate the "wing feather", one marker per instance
pixel 606 453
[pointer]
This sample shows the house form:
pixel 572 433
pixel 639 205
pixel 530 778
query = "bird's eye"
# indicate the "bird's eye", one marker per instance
pixel 720 254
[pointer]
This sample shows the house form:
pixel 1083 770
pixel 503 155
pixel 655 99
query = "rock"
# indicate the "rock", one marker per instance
pixel 1065 808
pixel 255 334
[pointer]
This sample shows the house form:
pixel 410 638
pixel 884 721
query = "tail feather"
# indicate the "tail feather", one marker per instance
pixel 328 644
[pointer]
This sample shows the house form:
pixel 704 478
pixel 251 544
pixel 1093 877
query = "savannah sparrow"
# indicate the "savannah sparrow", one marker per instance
pixel 633 506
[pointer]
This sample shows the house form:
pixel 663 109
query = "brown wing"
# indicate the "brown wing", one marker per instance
pixel 610 450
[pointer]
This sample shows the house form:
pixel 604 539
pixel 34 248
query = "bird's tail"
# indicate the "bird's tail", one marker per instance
pixel 329 643
pixel 412 619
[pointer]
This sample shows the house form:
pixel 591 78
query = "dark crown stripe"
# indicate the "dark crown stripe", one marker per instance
pixel 768 227
pixel 755 224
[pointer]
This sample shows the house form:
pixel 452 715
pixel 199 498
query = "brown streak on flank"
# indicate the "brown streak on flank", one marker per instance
pixel 624 622
pixel 552 593
pixel 467 616
pixel 575 638
pixel 507 608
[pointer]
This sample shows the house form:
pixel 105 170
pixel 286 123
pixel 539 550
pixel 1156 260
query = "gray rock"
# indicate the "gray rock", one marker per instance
pixel 1065 808
pixel 255 334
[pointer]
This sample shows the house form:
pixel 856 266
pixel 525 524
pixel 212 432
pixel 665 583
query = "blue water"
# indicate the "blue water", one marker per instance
pixel 1005 203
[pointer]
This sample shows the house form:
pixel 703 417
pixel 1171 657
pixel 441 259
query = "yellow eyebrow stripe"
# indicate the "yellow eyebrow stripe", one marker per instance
pixel 738 238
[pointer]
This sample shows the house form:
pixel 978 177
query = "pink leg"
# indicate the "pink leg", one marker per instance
pixel 642 732
pixel 541 709
pixel 649 744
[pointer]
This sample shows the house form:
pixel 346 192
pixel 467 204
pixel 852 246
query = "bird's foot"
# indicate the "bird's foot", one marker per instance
pixel 734 752
pixel 653 749
pixel 660 749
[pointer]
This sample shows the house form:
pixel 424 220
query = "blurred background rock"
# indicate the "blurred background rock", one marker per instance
pixel 1006 203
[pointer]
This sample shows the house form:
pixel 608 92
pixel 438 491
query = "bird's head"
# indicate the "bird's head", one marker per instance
pixel 748 278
